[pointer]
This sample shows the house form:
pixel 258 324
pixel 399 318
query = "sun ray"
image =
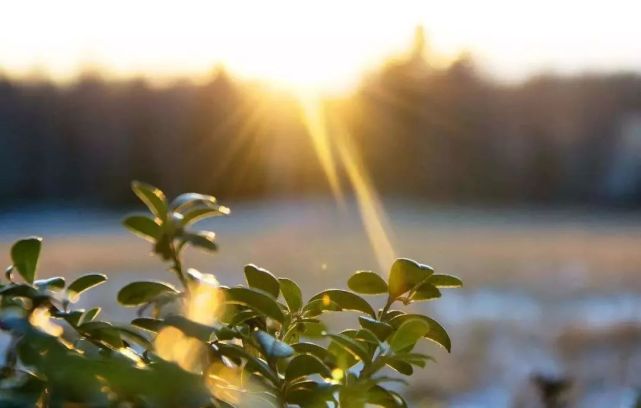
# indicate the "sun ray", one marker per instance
pixel 370 208
pixel 315 122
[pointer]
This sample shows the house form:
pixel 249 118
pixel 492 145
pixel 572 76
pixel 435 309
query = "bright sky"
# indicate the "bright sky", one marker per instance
pixel 321 43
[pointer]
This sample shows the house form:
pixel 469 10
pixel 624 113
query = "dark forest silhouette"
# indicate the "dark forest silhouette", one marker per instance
pixel 445 134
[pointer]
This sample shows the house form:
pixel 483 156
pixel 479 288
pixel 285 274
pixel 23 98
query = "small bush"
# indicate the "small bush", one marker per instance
pixel 207 345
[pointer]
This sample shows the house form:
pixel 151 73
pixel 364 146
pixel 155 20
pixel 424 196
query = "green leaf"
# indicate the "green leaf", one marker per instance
pixel 242 316
pixel 56 283
pixel 200 213
pixel 405 275
pixel 408 333
pixel 256 299
pixel 310 394
pixel 292 294
pixel 426 291
pixel 188 200
pixel 89 315
pixel 190 328
pixel 272 347
pixel 133 334
pixel 368 283
pixel 253 364
pixel 20 289
pixel 152 325
pixel 152 197
pixel 381 329
pixel 144 227
pixel 400 366
pixel 416 359
pixel 351 346
pixel 202 239
pixel 103 332
pixel 346 300
pixel 195 207
pixel 138 293
pixel 24 255
pixel 84 283
pixel 378 395
pixel 317 306
pixel 313 330
pixel 366 336
pixel 445 281
pixel 72 317
pixel 390 314
pixel 306 364
pixel 262 279
pixel 436 333
pixel 315 350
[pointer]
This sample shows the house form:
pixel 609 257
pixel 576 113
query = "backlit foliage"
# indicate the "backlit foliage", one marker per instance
pixel 204 344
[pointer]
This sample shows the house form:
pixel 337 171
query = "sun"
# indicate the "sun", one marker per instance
pixel 316 45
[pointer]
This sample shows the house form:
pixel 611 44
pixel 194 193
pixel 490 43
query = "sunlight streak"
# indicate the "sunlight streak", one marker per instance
pixel 370 207
pixel 315 122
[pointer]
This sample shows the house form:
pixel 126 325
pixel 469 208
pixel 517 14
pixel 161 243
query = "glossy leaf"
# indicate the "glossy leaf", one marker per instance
pixel 346 300
pixel 152 197
pixel 380 396
pixel 262 279
pixel 436 332
pixel 405 275
pixel 368 283
pixel 24 255
pixel 20 289
pixel 188 200
pixel 400 366
pixel 426 291
pixel 381 329
pixel 152 325
pixel 445 281
pixel 367 336
pixel 190 328
pixel 256 299
pixel 408 333
pixel 144 227
pixel 313 330
pixel 56 283
pixel 138 293
pixel 320 352
pixel 415 359
pixel 203 239
pixel 311 394
pixel 317 306
pixel 85 282
pixel 352 346
pixel 272 347
pixel 292 294
pixel 88 315
pixel 306 364
pixel 103 332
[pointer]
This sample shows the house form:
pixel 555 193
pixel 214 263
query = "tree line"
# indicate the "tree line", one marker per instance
pixel 447 134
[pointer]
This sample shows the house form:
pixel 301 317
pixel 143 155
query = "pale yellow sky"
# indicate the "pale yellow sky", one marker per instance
pixel 325 43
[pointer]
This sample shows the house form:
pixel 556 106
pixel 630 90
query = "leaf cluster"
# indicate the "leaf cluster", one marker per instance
pixel 206 345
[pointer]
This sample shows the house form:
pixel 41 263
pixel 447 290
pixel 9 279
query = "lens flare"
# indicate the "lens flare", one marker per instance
pixel 203 305
pixel 205 298
pixel 315 122
pixel 370 208
pixel 41 319
pixel 171 344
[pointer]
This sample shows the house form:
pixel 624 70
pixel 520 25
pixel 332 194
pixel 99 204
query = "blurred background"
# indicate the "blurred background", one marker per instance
pixel 498 142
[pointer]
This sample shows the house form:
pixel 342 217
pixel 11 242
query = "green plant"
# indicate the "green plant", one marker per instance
pixel 206 345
